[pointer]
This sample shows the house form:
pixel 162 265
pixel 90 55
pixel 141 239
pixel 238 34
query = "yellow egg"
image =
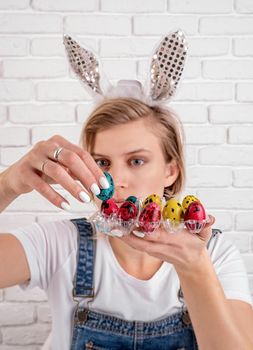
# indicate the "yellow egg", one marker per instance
pixel 188 200
pixel 173 210
pixel 153 198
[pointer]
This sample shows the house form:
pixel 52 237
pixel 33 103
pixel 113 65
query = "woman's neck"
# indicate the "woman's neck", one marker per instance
pixel 136 263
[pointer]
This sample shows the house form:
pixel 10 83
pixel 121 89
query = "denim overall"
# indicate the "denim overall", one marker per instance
pixel 98 331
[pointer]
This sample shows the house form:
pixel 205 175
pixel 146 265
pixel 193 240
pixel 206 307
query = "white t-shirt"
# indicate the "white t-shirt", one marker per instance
pixel 51 251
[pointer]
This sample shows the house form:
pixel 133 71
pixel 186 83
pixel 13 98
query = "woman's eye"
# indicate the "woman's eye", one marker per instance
pixel 136 161
pixel 101 162
pixel 104 163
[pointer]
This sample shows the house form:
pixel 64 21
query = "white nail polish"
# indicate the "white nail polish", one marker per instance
pixel 84 197
pixel 66 206
pixel 139 234
pixel 117 233
pixel 104 182
pixel 95 189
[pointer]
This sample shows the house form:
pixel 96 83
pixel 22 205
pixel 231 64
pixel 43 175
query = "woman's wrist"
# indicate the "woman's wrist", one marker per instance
pixel 7 194
pixel 196 268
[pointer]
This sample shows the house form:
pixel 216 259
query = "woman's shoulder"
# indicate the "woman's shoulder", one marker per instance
pixel 61 233
pixel 48 246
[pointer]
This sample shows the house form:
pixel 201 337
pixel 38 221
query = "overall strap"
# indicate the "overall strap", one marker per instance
pixel 215 232
pixel 84 279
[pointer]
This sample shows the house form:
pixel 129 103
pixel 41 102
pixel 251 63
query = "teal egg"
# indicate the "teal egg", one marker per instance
pixel 135 201
pixel 132 199
pixel 106 193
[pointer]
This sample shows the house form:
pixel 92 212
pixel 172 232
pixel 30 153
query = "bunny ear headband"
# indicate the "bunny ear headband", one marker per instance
pixel 166 67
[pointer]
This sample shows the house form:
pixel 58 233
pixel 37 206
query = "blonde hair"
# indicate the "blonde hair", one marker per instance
pixel 163 122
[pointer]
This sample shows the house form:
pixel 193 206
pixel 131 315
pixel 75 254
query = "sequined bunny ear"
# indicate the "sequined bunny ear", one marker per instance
pixel 167 66
pixel 86 66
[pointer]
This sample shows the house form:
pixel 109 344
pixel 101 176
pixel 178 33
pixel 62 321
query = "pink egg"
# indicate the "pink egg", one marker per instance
pixel 195 217
pixel 195 211
pixel 109 207
pixel 128 211
pixel 150 217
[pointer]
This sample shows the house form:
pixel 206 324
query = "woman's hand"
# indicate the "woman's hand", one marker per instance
pixel 73 164
pixel 183 249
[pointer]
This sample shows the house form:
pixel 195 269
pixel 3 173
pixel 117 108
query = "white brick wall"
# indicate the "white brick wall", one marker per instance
pixel 244 92
pixel 40 97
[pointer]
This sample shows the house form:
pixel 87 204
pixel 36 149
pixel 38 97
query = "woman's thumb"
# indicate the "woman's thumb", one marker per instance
pixel 207 231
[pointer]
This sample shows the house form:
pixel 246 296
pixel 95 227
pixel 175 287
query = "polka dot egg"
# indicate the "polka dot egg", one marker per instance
pixel 173 211
pixel 153 198
pixel 106 193
pixel 188 200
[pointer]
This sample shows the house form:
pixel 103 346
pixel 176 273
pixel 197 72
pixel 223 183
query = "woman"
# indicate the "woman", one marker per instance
pixel 124 293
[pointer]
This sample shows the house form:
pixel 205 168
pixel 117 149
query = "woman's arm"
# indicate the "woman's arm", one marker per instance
pixel 219 323
pixel 7 195
pixel 39 169
pixel 216 324
pixel 14 267
pixel 13 264
pixel 26 175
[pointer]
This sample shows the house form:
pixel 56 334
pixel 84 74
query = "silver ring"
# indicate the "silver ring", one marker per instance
pixel 43 165
pixel 57 152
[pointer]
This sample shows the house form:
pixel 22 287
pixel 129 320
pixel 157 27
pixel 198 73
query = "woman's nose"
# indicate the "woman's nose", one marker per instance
pixel 119 178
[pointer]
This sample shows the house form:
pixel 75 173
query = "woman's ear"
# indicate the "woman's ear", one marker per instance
pixel 171 172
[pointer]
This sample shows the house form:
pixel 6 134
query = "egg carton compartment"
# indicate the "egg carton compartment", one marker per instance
pixel 112 225
pixel 196 226
pixel 115 226
pixel 173 226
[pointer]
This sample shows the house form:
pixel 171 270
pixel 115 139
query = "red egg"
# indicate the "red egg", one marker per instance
pixel 195 217
pixel 150 217
pixel 195 211
pixel 128 211
pixel 109 207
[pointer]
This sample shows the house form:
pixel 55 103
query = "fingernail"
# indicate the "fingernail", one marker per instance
pixel 139 234
pixel 84 197
pixel 95 189
pixel 117 233
pixel 65 206
pixel 104 182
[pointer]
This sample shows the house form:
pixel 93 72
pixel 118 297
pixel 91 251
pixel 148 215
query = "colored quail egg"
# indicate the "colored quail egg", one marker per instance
pixel 195 217
pixel 173 211
pixel 150 217
pixel 109 207
pixel 135 201
pixel 188 200
pixel 106 193
pixel 128 211
pixel 153 198
pixel 132 199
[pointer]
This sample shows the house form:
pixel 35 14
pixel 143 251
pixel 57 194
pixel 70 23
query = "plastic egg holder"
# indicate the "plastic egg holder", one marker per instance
pixel 113 225
pixel 117 221
pixel 116 226
pixel 149 214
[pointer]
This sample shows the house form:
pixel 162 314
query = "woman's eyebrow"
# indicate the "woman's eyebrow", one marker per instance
pixel 124 154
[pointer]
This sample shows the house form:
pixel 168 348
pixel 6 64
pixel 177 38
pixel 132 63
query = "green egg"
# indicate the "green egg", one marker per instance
pixel 106 193
pixel 132 199
pixel 135 201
